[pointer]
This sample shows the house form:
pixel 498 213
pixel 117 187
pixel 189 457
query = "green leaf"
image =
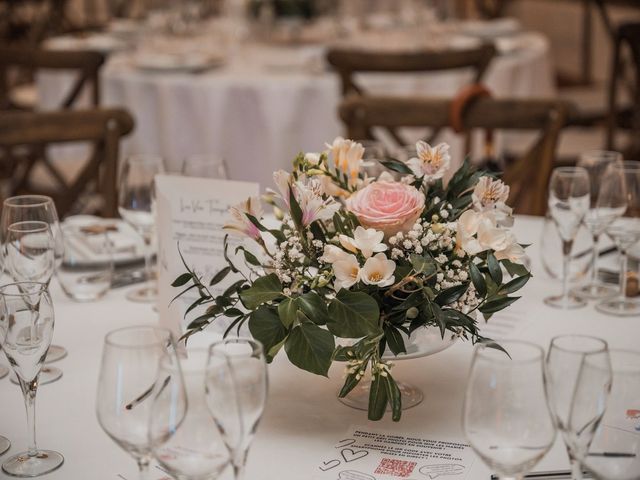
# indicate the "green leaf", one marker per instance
pixel 273 351
pixel 395 398
pixel 394 340
pixel 310 348
pixel 296 211
pixel 256 222
pixel 425 265
pixel 514 269
pixel 287 311
pixel 218 277
pixel 489 343
pixel 264 289
pixel 350 383
pixel 314 307
pixel 450 295
pixel 182 280
pixel 396 166
pixel 478 279
pixel 353 315
pixel 266 327
pixel 413 300
pixel 515 284
pixel 249 257
pixel 378 398
pixel 439 317
pixel 494 268
pixel 497 305
pixel 233 288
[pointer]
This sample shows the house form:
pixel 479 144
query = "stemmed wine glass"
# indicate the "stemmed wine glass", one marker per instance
pixel 614 453
pixel 26 329
pixel 597 218
pixel 136 205
pixel 505 415
pixel 205 166
pixel 621 186
pixel 568 204
pixel 185 441
pixel 564 363
pixel 41 208
pixel 29 257
pixel 236 392
pixel 128 375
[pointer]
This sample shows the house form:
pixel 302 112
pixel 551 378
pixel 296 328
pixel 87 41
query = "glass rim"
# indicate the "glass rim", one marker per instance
pixel 569 170
pixel 43 288
pixel 108 338
pixel 256 346
pixel 209 158
pixel 168 362
pixel 602 152
pixel 42 226
pixel 613 355
pixel 627 165
pixel 506 357
pixel 41 200
pixel 605 344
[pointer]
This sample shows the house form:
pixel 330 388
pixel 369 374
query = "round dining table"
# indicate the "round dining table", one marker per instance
pixel 261 103
pixel 303 417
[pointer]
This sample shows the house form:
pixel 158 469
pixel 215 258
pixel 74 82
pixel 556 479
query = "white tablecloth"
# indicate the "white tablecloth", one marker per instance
pixel 264 107
pixel 303 418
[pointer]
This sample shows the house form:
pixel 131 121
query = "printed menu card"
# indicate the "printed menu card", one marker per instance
pixel 370 454
pixel 190 215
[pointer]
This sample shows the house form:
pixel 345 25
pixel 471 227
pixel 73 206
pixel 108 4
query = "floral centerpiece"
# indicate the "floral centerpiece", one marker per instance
pixel 367 259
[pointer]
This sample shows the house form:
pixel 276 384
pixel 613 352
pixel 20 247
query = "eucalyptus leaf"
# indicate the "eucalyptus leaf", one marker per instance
pixel 496 305
pixel 218 277
pixel 494 268
pixel 182 280
pixel 515 284
pixel 450 295
pixel 353 315
pixel 397 166
pixel 478 279
pixel 310 348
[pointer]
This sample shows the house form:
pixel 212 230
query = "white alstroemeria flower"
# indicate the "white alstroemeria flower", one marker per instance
pixel 491 236
pixel 346 271
pixel 378 270
pixel 347 157
pixel 332 254
pixel 367 240
pixel 467 228
pixel 491 195
pixel 432 162
pixel 240 223
pixel 312 203
pixel 513 251
pixel 282 180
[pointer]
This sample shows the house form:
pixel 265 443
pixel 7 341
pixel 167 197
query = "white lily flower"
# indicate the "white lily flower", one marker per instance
pixel 346 271
pixel 332 254
pixel 431 163
pixel 378 270
pixel 367 240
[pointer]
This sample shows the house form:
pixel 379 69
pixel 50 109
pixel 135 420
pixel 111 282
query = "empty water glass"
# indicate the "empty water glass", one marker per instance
pixel 205 166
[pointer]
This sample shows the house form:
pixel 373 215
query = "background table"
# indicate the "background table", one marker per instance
pixel 268 103
pixel 303 418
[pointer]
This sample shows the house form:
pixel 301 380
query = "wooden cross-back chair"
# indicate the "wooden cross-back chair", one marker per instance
pixel 349 62
pixel 86 65
pixel 527 176
pixel 25 135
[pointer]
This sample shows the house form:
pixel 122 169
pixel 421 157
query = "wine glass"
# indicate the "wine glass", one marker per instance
pixel 128 375
pixel 564 362
pixel 136 205
pixel 614 453
pixel 236 391
pixel 41 208
pixel 29 257
pixel 205 166
pixel 505 415
pixel 597 218
pixel 621 186
pixel 568 204
pixel 26 329
pixel 185 441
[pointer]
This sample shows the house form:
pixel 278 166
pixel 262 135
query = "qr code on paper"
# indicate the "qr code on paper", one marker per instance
pixel 397 468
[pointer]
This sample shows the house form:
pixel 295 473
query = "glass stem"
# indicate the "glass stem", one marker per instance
pixel 29 392
pixel 566 257
pixel 239 461
pixel 623 273
pixel 148 254
pixel 143 468
pixel 594 260
pixel 576 469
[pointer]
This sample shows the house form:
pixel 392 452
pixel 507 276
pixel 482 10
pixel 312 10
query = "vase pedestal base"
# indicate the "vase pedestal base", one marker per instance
pixel 359 397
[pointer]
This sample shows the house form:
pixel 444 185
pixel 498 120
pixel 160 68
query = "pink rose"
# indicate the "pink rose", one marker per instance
pixel 387 206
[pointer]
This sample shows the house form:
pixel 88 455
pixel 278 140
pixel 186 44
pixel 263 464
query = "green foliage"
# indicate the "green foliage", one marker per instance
pixel 353 315
pixel 310 347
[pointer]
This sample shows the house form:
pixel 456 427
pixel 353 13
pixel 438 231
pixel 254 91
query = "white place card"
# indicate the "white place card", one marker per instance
pixel 370 454
pixel 190 215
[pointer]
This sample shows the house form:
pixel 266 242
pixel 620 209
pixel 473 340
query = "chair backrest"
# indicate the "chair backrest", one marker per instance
pixel 527 177
pixel 627 36
pixel 25 136
pixel 86 64
pixel 348 62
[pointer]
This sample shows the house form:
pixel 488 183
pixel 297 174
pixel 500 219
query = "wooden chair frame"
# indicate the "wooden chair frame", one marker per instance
pixel 528 176
pixel 25 135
